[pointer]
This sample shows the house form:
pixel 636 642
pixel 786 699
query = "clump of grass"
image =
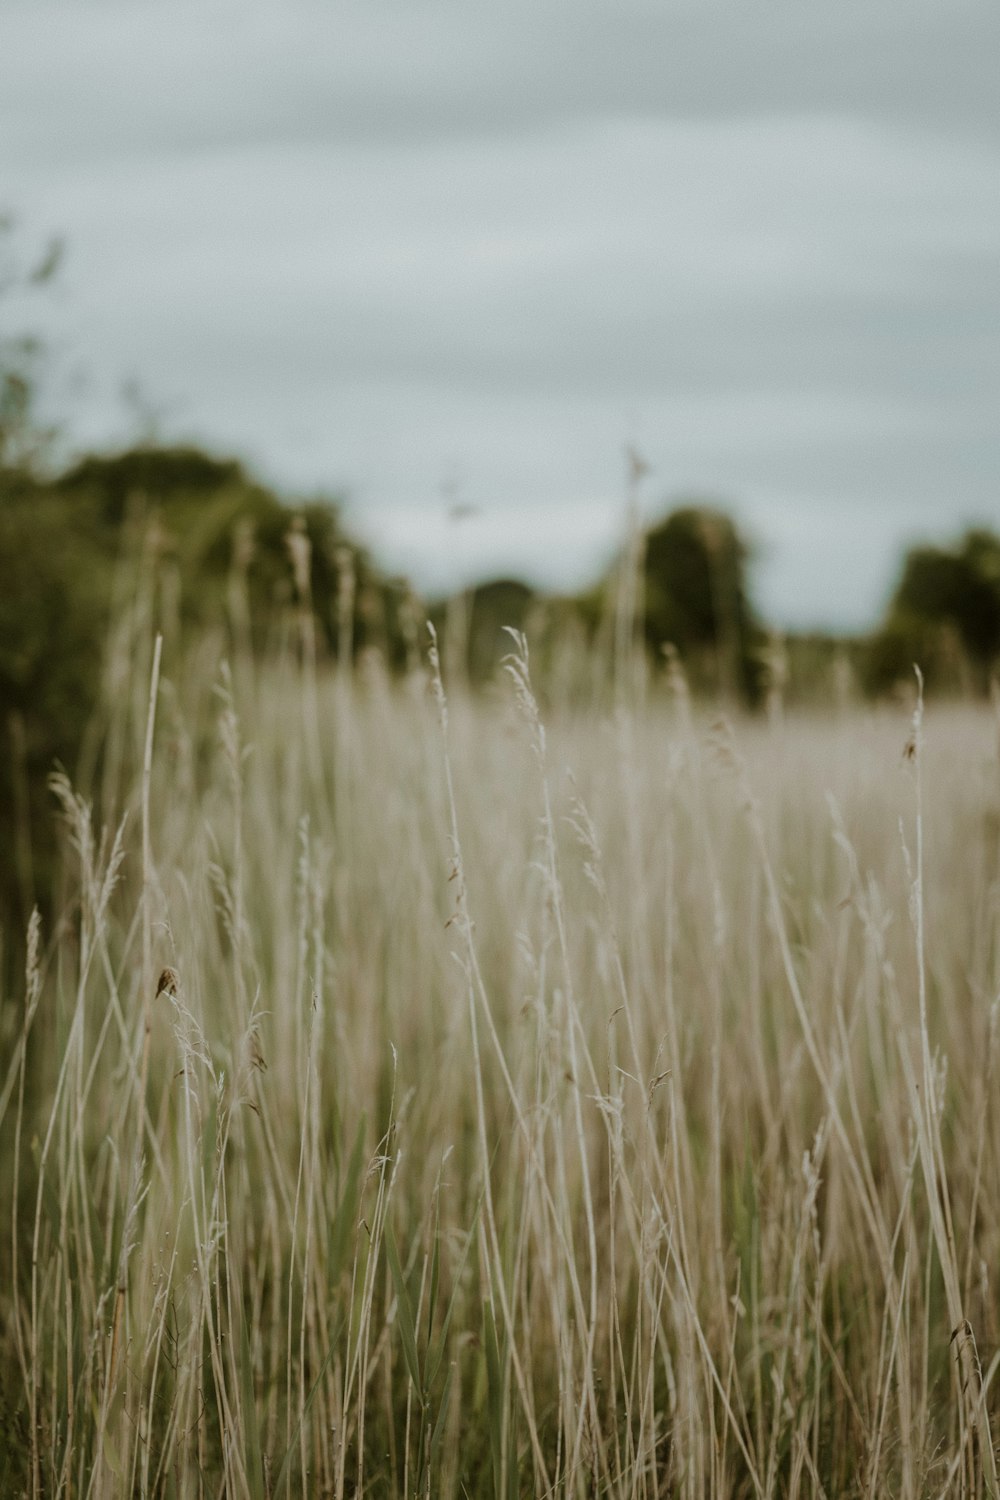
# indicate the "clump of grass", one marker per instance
pixel 595 1106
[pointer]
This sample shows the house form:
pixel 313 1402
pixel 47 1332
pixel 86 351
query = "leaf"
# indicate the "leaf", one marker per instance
pixel 404 1306
pixel 345 1218
pixel 494 1387
pixel 435 1276
pixel 285 1469
pixel 248 1400
pixel 446 1325
pixel 439 1425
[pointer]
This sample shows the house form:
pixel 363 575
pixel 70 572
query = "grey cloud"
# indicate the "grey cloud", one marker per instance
pixel 370 246
pixel 142 80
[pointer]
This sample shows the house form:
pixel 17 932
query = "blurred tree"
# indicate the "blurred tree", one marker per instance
pixel 210 512
pixel 46 610
pixel 53 616
pixel 696 598
pixel 944 616
pixel 692 597
pixel 493 607
pixel 208 546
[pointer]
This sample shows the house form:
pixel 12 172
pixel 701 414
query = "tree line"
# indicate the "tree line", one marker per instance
pixel 222 550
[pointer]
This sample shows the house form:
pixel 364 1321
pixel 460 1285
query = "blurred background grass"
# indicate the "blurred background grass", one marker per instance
pixel 218 546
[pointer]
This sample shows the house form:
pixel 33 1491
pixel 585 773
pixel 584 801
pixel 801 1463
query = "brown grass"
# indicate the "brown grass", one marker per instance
pixel 603 1106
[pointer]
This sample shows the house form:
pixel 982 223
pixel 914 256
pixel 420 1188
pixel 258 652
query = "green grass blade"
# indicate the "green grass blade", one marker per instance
pixel 404 1315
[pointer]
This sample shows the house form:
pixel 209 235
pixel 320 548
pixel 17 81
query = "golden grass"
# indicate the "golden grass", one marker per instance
pixel 599 1107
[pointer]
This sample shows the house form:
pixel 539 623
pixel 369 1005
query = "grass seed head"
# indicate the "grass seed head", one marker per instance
pixel 168 981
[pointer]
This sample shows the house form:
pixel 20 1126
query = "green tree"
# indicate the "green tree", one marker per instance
pixel 944 616
pixel 696 598
pixel 473 625
pixel 209 546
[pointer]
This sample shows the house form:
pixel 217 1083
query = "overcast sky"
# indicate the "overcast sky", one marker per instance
pixel 425 252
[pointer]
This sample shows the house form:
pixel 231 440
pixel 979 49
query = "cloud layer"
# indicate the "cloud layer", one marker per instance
pixel 407 248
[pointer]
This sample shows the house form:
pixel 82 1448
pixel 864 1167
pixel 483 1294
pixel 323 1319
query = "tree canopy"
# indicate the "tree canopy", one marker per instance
pixel 944 615
pixel 213 549
pixel 696 596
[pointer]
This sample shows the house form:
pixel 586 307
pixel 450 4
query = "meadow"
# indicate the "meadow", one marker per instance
pixel 420 1093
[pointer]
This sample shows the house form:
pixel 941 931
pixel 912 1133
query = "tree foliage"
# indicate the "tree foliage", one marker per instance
pixel 696 597
pixel 212 548
pixel 944 616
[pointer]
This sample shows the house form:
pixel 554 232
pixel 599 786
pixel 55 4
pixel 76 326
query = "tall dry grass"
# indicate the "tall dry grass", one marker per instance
pixel 414 1097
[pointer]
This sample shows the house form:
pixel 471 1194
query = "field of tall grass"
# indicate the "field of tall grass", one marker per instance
pixel 421 1094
